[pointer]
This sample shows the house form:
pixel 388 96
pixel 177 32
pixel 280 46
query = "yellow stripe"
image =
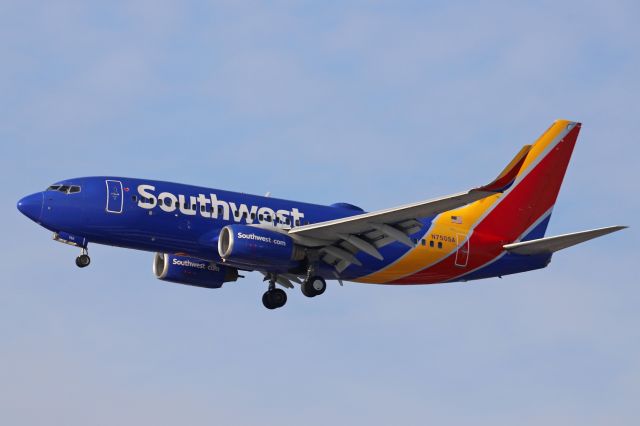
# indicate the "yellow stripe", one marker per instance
pixel 421 256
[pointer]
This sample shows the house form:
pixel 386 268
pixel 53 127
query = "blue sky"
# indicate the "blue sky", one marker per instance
pixel 375 103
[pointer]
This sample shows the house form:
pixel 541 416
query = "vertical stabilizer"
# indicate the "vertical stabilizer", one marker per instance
pixel 524 209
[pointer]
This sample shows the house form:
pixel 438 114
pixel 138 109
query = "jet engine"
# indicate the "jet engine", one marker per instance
pixel 192 271
pixel 249 245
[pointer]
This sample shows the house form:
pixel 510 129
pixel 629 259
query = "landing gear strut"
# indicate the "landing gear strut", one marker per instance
pixel 83 260
pixel 313 286
pixel 274 297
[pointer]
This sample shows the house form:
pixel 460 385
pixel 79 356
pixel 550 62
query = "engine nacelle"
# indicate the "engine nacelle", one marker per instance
pixel 249 245
pixel 191 271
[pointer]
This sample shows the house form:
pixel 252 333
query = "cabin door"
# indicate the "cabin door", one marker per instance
pixel 115 196
pixel 462 253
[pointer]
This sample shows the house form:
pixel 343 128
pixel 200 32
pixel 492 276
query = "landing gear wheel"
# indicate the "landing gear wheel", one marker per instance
pixel 266 301
pixel 273 299
pixel 307 290
pixel 278 297
pixel 83 260
pixel 318 284
pixel 314 286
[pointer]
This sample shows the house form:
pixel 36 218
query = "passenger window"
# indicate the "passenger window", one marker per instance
pixel 439 244
pixel 253 216
pixel 168 202
pixel 298 222
pixel 424 242
pixel 203 208
pixel 260 217
pixel 431 243
pixel 160 202
pixel 193 207
pixel 134 198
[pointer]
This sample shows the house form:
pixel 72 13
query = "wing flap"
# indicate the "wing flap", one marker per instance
pixel 553 244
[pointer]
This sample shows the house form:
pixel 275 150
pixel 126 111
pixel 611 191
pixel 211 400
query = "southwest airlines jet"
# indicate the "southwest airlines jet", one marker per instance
pixel 205 237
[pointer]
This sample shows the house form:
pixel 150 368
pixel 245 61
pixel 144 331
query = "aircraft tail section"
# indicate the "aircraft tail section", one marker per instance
pixel 532 181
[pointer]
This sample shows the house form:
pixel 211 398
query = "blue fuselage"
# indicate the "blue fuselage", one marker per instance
pixel 168 217
pixel 183 219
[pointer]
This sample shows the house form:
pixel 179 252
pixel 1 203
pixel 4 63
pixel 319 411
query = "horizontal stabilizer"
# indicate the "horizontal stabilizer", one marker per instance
pixel 553 244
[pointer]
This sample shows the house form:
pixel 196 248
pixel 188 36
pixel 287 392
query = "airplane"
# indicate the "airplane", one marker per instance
pixel 206 237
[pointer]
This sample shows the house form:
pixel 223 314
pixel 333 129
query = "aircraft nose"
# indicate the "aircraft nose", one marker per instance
pixel 31 206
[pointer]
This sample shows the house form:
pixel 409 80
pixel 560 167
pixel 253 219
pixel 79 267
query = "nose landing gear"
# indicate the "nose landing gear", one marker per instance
pixel 83 260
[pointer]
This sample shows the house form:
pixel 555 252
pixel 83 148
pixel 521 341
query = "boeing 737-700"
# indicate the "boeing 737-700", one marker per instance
pixel 206 237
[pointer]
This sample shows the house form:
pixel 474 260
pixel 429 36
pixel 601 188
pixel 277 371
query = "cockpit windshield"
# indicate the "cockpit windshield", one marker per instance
pixel 67 189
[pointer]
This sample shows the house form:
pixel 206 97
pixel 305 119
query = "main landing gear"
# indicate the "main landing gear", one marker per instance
pixel 274 297
pixel 83 260
pixel 313 286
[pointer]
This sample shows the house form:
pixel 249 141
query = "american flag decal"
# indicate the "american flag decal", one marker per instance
pixel 456 219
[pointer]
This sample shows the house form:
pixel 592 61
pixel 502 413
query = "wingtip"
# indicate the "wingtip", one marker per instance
pixel 614 228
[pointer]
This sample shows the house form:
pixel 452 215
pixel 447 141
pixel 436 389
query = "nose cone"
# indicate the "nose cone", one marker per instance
pixel 31 206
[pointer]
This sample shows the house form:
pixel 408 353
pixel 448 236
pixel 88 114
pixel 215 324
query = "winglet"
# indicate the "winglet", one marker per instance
pixel 553 244
pixel 506 178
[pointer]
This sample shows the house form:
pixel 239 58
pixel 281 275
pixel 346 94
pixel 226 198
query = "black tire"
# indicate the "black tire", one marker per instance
pixel 318 285
pixel 314 286
pixel 266 301
pixel 278 297
pixel 307 290
pixel 83 261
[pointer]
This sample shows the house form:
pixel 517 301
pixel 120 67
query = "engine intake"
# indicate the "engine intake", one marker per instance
pixel 191 271
pixel 249 245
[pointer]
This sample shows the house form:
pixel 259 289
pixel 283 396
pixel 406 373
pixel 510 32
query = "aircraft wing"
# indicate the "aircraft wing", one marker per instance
pixel 338 240
pixel 395 216
pixel 553 244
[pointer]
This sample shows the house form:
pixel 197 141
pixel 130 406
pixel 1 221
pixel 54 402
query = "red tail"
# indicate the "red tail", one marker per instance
pixel 535 189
